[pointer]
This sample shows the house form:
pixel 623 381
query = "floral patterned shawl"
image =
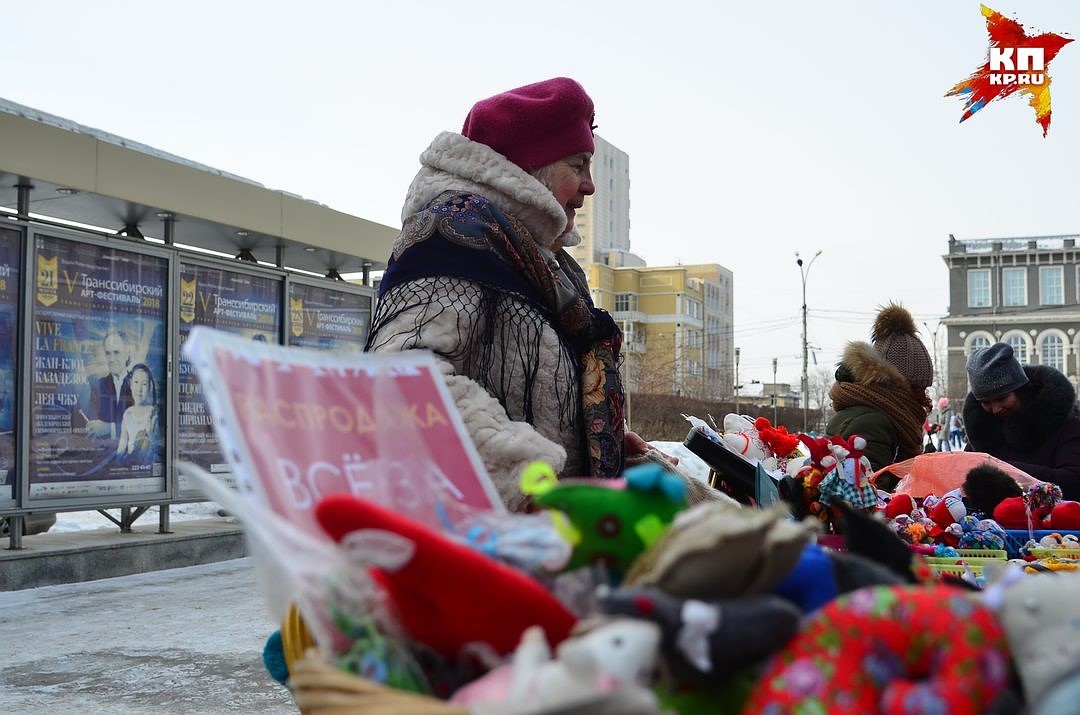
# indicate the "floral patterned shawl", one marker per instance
pixel 463 235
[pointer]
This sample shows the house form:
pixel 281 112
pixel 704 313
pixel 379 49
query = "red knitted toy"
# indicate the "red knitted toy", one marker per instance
pixel 1012 513
pixel 777 438
pixel 448 595
pixel 1066 515
pixel 899 504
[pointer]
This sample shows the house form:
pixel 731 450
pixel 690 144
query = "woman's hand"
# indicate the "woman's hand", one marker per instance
pixel 636 446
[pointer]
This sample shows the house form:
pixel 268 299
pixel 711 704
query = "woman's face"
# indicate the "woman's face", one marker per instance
pixel 140 387
pixel 1002 406
pixel 570 180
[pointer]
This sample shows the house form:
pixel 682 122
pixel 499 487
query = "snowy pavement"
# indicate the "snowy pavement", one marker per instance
pixel 185 640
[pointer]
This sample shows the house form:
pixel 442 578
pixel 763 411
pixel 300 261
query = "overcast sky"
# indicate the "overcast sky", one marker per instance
pixel 755 129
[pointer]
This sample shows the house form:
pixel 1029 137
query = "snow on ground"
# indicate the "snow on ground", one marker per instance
pixel 88 520
pixel 690 462
pixel 185 640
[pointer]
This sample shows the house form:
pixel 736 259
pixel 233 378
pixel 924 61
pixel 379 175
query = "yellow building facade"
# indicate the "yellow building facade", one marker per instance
pixel 665 321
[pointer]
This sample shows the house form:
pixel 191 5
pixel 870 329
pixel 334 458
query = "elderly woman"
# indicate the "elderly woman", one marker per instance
pixel 479 277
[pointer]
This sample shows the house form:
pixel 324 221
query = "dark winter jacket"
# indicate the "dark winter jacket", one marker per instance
pixel 1042 438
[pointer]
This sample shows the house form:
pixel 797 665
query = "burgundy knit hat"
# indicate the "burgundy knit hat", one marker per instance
pixel 534 125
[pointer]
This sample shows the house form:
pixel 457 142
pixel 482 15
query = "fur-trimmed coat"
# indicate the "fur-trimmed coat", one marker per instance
pixel 1042 438
pixel 506 442
pixel 874 400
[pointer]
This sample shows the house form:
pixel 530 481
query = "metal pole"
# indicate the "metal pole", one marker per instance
pixel 775 406
pixel 737 385
pixel 22 200
pixel 805 352
pixel 805 348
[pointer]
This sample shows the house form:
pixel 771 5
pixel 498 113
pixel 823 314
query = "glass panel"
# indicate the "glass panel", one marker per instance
pixel 232 301
pixel 10 269
pixel 327 319
pixel 97 388
pixel 1014 282
pixel 1019 346
pixel 1053 352
pixel 979 288
pixel 1051 286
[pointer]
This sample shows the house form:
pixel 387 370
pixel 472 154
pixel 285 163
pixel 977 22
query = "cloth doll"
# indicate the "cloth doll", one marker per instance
pixel 617 655
pixel 850 480
pixel 707 640
pixel 809 477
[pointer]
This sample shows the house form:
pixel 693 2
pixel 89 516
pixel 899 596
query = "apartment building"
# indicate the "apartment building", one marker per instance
pixel 677 321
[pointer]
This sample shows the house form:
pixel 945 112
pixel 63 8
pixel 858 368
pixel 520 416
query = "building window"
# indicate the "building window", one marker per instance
pixel 1052 351
pixel 1014 283
pixel 693 308
pixel 1019 346
pixel 979 343
pixel 979 288
pixel 625 302
pixel 1051 285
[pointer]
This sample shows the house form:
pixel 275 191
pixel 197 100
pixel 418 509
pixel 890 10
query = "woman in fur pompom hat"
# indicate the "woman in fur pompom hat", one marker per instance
pixel 880 389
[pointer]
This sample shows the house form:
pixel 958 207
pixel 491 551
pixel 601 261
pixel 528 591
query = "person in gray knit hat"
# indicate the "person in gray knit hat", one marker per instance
pixel 880 390
pixel 1025 415
pixel 994 372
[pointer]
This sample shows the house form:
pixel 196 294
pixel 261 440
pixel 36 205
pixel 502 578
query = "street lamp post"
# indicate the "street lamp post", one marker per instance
pixel 804 272
pixel 774 400
pixel 938 382
pixel 737 385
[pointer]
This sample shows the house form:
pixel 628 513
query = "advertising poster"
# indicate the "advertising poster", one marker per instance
pixel 98 380
pixel 238 303
pixel 299 424
pixel 327 319
pixel 10 264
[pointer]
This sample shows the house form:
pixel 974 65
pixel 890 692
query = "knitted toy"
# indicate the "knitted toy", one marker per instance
pixel 947 510
pixel 619 655
pixel 899 504
pixel 821 575
pixel 781 445
pixel 612 521
pixel 448 595
pixel 980 534
pixel 892 650
pixel 715 551
pixel 915 528
pixel 1012 513
pixel 809 477
pixel 776 438
pixel 1065 516
pixel 742 437
pixel 1037 503
pixel 713 638
pixel 850 481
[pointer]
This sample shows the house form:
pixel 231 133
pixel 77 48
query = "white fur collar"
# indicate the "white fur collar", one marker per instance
pixel 454 163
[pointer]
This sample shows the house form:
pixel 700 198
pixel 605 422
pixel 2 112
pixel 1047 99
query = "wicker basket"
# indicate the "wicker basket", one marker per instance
pixel 321 689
